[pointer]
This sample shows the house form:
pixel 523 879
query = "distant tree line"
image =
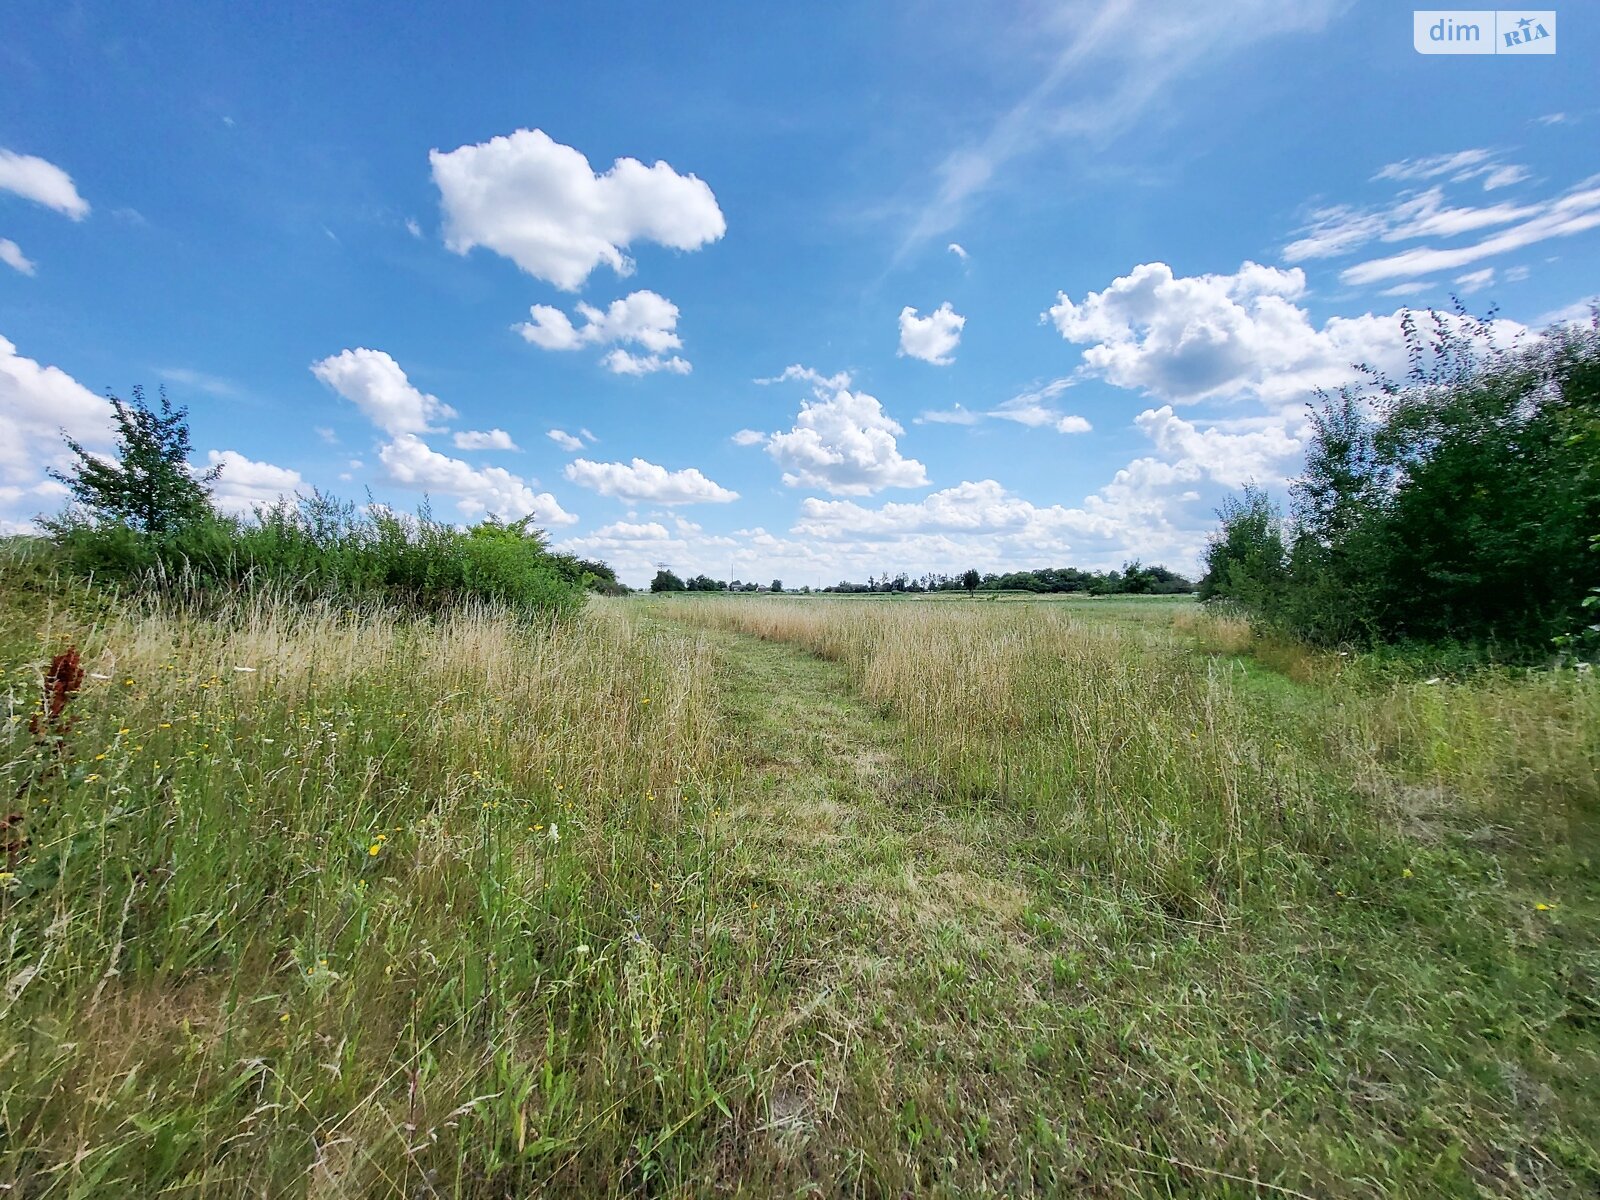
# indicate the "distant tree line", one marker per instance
pixel 1134 579
pixel 668 581
pixel 1460 504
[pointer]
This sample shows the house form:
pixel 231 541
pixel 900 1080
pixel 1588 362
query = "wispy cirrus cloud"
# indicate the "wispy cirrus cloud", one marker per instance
pixel 1429 212
pixel 1031 408
pixel 1575 212
pixel 1112 63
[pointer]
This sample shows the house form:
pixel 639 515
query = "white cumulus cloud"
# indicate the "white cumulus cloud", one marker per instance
pixel 42 182
pixel 374 383
pixel 485 439
pixel 647 531
pixel 412 463
pixel 564 439
pixel 931 338
pixel 1262 454
pixel 11 254
pixel 644 482
pixel 1184 338
pixel 642 317
pixel 842 441
pixel 540 204
pixel 622 362
pixel 36 404
pixel 245 484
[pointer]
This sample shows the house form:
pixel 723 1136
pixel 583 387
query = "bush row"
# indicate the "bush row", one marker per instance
pixel 317 546
pixel 1458 508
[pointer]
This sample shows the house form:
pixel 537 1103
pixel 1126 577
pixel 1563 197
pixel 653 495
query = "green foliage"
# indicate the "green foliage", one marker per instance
pixel 317 546
pixel 593 574
pixel 1245 559
pixel 147 518
pixel 969 579
pixel 1456 505
pixel 150 487
pixel 666 581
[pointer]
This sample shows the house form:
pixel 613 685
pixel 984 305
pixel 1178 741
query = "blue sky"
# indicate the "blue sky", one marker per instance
pixel 811 292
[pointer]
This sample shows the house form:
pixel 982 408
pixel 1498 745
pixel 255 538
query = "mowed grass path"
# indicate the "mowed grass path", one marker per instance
pixel 969 1011
pixel 902 937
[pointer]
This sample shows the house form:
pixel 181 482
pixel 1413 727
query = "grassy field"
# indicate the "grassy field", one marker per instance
pixel 760 896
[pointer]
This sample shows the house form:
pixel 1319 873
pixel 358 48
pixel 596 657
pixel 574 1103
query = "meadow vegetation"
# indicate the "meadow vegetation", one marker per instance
pixel 761 896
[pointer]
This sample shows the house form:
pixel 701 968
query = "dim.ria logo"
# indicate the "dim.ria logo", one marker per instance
pixel 1484 31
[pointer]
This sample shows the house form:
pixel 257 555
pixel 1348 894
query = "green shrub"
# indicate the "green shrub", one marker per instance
pixel 1455 508
pixel 317 547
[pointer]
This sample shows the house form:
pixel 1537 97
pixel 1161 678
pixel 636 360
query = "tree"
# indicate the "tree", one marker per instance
pixel 1137 579
pixel 970 580
pixel 666 581
pixel 777 585
pixel 1245 559
pixel 150 486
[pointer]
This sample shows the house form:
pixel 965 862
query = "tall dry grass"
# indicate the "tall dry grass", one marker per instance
pixel 329 902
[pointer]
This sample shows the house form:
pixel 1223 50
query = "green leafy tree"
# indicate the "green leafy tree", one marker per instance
pixel 970 579
pixel 150 487
pixel 1137 579
pixel 1245 559
pixel 777 585
pixel 666 581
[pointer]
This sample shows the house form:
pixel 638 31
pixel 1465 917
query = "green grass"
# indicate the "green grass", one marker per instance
pixel 948 898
